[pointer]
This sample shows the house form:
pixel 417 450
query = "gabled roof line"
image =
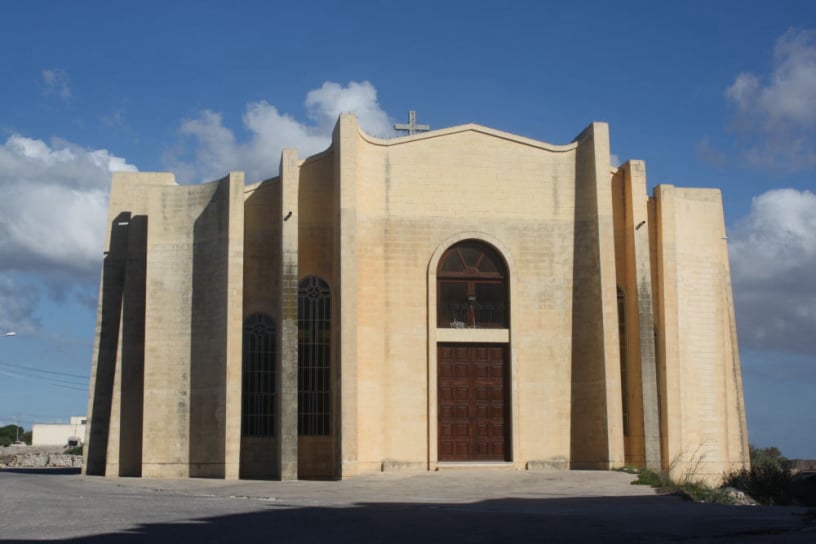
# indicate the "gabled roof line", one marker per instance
pixel 470 127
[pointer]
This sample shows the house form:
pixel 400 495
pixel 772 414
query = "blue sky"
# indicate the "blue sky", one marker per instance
pixel 709 94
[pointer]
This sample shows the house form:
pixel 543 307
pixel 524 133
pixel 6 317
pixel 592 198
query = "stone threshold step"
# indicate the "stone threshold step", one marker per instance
pixel 475 465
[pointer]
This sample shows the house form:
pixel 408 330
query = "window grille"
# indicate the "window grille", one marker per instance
pixel 258 399
pixel 314 357
pixel 472 287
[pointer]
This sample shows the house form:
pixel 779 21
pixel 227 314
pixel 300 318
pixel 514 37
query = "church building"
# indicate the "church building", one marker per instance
pixel 448 299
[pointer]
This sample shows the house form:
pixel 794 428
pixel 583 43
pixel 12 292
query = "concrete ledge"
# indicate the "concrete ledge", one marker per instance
pixel 390 465
pixel 556 463
pixel 498 465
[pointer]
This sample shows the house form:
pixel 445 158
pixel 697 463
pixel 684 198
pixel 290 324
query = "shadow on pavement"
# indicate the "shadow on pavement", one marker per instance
pixel 606 520
pixel 44 470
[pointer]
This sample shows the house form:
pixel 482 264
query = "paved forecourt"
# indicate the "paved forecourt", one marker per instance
pixel 468 506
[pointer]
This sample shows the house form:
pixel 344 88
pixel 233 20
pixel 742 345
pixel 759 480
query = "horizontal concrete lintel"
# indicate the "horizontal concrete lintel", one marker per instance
pixel 499 336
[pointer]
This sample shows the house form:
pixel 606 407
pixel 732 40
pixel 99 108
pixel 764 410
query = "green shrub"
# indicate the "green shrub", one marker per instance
pixel 703 493
pixel 9 434
pixel 766 483
pixel 649 477
pixel 694 491
pixel 768 456
pixel 769 481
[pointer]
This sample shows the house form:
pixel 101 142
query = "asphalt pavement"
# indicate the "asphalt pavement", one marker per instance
pixel 458 507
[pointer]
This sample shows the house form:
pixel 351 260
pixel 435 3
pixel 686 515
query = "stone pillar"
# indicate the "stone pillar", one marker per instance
pixel 704 434
pixel 738 449
pixel 287 392
pixel 668 353
pixel 101 416
pixel 234 326
pixel 640 298
pixel 596 427
pixel 346 135
pixel 124 455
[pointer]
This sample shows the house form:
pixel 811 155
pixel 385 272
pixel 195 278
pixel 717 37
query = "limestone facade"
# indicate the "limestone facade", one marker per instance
pixel 461 297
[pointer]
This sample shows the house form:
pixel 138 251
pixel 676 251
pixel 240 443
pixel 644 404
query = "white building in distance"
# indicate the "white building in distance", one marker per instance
pixel 59 434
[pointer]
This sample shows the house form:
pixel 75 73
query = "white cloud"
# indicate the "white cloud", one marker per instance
pixel 788 96
pixel 115 120
pixel 780 108
pixel 17 305
pixel 325 104
pixel 706 151
pixel 217 150
pixel 54 205
pixel 773 259
pixel 56 83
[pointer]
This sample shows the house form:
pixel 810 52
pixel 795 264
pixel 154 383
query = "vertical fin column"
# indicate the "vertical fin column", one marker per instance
pixel 346 135
pixel 637 233
pixel 234 322
pixel 668 326
pixel 597 428
pixel 106 345
pixel 288 383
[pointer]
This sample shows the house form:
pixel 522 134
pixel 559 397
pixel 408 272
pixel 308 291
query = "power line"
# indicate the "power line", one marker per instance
pixel 32 369
pixel 48 380
pixel 25 418
pixel 74 387
pixel 29 416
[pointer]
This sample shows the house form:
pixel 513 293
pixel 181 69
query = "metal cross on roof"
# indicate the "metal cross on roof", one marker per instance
pixel 411 126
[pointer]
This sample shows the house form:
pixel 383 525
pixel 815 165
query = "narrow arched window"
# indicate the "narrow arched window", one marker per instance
pixel 472 287
pixel 258 399
pixel 314 357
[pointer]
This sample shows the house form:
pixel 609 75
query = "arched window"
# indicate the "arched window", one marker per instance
pixel 258 399
pixel 314 357
pixel 472 287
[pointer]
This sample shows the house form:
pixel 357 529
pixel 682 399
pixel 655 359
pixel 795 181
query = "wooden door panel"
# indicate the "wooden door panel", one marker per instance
pixel 461 393
pixel 471 395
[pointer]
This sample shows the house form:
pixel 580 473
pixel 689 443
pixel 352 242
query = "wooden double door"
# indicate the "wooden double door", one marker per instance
pixel 473 397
